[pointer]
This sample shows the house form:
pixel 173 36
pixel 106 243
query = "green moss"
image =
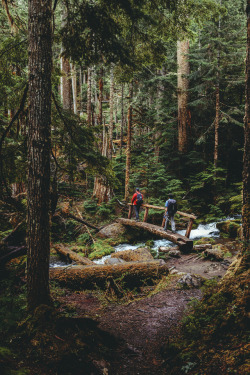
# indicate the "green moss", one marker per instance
pixel 100 248
pixel 204 240
pixel 230 227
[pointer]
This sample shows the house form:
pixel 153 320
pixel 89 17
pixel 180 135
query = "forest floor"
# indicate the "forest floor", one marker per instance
pixel 144 326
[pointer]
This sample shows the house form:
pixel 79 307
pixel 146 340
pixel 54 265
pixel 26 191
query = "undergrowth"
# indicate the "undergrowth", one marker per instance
pixel 215 334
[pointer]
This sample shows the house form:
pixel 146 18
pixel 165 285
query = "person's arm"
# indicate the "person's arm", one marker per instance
pixel 166 207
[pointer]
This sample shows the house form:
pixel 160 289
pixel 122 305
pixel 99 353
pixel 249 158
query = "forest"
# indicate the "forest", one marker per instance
pixel 102 104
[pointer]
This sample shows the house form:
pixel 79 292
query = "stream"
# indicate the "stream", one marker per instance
pixel 203 230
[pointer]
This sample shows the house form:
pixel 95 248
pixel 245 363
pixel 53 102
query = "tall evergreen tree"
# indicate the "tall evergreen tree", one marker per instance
pixel 38 227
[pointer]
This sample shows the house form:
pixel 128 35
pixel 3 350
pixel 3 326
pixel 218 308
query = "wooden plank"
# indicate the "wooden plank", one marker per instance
pixel 130 212
pixel 189 228
pixel 183 242
pixel 190 216
pixel 146 215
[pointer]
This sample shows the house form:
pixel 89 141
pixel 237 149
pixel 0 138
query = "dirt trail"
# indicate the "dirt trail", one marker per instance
pixel 144 326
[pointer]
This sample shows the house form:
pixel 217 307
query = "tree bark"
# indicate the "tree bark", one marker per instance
pixel 122 117
pixel 66 84
pixel 74 87
pixel 111 112
pixel 133 274
pixel 89 95
pixel 129 138
pixel 100 97
pixel 246 157
pixel 182 82
pixel 38 226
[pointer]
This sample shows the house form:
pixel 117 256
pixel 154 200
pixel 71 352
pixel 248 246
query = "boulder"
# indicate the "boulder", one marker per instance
pixel 191 281
pixel 231 227
pixel 138 255
pixel 202 247
pixel 113 261
pixel 114 230
pixel 215 253
pixel 174 253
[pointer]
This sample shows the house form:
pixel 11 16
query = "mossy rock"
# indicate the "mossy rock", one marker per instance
pixel 100 249
pixel 204 240
pixel 231 227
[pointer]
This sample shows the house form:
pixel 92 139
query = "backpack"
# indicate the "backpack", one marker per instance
pixel 139 199
pixel 172 207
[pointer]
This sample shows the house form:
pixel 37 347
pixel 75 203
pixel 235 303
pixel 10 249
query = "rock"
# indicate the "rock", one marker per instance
pixel 174 253
pixel 191 281
pixel 114 230
pixel 232 227
pixel 166 249
pixel 140 254
pixel 174 271
pixel 202 247
pixel 113 261
pixel 215 253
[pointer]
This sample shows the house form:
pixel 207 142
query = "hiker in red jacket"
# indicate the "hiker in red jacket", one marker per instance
pixel 137 201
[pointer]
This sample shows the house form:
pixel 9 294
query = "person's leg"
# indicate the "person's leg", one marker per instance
pixel 166 222
pixel 172 224
pixel 137 212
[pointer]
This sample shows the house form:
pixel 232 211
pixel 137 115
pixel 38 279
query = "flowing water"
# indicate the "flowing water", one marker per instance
pixel 203 230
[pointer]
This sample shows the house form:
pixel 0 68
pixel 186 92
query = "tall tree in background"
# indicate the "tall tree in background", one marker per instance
pixel 246 158
pixel 38 228
pixel 182 77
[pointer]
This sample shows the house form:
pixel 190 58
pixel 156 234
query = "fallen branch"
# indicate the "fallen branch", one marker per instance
pixel 67 214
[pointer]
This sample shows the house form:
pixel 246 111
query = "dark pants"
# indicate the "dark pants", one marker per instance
pixel 137 210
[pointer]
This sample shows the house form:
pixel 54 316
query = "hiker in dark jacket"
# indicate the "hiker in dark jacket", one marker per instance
pixel 137 201
pixel 170 211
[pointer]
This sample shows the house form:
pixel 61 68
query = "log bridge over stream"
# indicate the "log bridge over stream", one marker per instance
pixel 183 242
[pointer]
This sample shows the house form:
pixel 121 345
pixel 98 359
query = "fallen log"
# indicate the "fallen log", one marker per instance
pixel 72 255
pixel 184 243
pixel 132 274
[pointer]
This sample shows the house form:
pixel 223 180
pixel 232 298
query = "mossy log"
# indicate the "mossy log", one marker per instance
pixel 72 255
pixel 131 273
pixel 184 243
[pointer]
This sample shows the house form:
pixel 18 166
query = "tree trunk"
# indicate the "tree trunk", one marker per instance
pixel 100 97
pixel 216 126
pixel 74 88
pixel 132 273
pixel 111 112
pixel 246 158
pixel 183 112
pixel 122 117
pixel 66 84
pixel 89 94
pixel 217 105
pixel 129 138
pixel 38 226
